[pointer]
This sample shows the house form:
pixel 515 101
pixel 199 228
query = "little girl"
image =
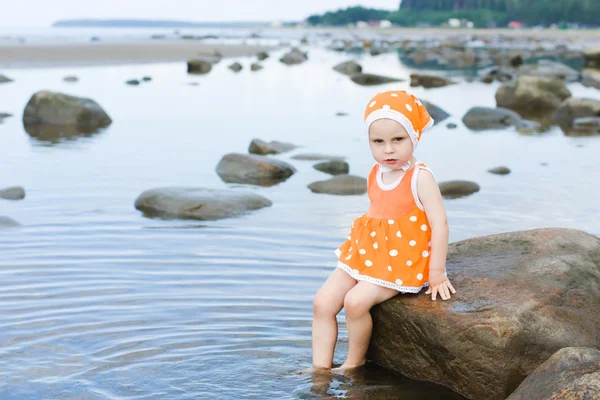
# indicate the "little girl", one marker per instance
pixel 399 245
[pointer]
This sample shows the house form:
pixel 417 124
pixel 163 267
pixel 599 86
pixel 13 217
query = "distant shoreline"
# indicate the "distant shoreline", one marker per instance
pixel 59 55
pixel 142 23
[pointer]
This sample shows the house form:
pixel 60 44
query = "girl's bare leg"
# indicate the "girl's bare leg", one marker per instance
pixel 357 304
pixel 327 304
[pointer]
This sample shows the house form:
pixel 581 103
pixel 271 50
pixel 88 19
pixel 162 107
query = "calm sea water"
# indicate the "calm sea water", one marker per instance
pixel 98 302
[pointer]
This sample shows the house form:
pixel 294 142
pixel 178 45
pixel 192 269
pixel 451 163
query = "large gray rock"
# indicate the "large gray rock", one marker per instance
pixel 197 203
pixel 429 81
pixel 6 222
pixel 572 109
pixel 532 96
pixel 521 296
pixel 482 118
pixel 456 189
pixel 572 373
pixel 592 57
pixel 51 108
pixel 372 79
pixel 294 57
pixel 263 148
pixel 199 66
pixel 348 68
pixel 253 169
pixel 340 185
pixel 12 193
pixel 550 69
pixel 333 167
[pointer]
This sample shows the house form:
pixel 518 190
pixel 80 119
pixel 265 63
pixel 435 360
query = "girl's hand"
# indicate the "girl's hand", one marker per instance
pixel 439 283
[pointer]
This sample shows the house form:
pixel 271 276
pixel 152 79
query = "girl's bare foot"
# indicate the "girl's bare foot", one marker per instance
pixel 314 370
pixel 347 367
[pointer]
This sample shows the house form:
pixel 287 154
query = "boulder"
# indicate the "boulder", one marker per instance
pixel 51 108
pixel 372 79
pixel 456 189
pixel 429 81
pixel 482 118
pixel 253 169
pixel 12 193
pixel 294 57
pixel 531 95
pixel 348 68
pixel 521 296
pixel 6 222
pixel 333 167
pixel 236 67
pixel 592 57
pixel 316 157
pixel 591 78
pixel 199 66
pixel 197 203
pixel 499 171
pixel 263 148
pixel 340 185
pixel 574 108
pixel 572 373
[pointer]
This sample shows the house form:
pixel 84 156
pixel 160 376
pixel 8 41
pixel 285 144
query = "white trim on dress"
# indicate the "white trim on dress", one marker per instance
pixel 379 282
pixel 413 184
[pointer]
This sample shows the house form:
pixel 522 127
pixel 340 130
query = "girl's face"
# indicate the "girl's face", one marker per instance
pixel 390 144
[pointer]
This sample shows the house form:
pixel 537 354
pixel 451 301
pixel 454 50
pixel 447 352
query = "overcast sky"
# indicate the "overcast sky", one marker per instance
pixel 15 13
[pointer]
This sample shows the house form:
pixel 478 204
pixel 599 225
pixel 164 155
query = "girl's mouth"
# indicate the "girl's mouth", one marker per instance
pixel 390 161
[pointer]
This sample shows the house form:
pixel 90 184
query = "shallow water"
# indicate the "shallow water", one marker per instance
pixel 98 302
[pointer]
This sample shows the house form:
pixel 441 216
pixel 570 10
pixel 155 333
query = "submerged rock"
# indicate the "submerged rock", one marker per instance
pixel 456 189
pixel 333 167
pixel 263 148
pixel 133 82
pixel 255 67
pixel 197 203
pixel 262 56
pixel 253 169
pixel 372 79
pixel 12 193
pixel 340 185
pixel 572 373
pixel 531 95
pixel 236 67
pixel 6 222
pixel 71 78
pixel 435 112
pixel 521 297
pixel 482 118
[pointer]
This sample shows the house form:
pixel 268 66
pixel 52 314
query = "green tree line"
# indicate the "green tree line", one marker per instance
pixel 482 12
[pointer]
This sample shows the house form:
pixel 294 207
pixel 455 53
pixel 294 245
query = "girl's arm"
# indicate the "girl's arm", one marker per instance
pixel 431 198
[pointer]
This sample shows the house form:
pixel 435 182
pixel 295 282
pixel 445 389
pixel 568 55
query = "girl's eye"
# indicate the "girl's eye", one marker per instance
pixel 398 139
pixel 378 141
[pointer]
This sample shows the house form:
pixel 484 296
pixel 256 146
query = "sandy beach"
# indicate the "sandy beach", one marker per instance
pixel 54 55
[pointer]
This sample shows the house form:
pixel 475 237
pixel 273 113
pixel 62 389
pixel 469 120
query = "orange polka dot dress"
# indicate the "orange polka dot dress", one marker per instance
pixel 390 244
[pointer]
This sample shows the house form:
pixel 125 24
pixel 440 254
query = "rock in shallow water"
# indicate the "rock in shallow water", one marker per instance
pixel 372 79
pixel 482 118
pixel 316 157
pixel 499 171
pixel 197 203
pixel 12 193
pixel 348 68
pixel 340 185
pixel 6 222
pixel 572 373
pixel 253 169
pixel 521 297
pixel 261 147
pixel 574 108
pixel 532 95
pixel 333 167
pixel 456 189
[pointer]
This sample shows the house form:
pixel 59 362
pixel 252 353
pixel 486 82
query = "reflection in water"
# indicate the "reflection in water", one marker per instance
pixel 54 134
pixel 370 382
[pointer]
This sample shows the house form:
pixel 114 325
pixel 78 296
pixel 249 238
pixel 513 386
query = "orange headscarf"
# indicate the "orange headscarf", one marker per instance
pixel 402 107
